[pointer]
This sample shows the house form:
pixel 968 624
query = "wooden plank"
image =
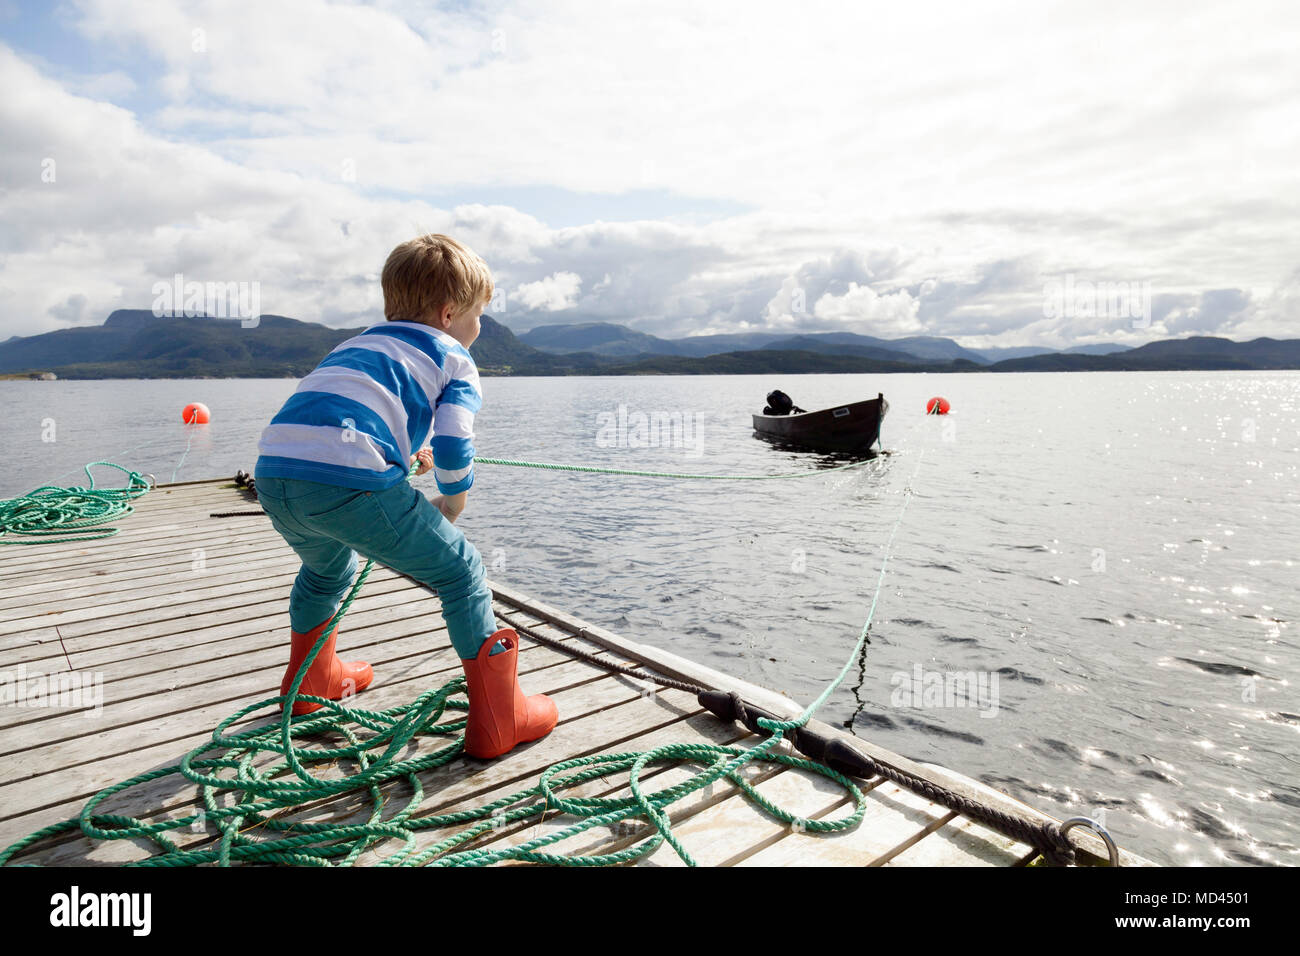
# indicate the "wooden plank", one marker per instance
pixel 145 602
pixel 895 819
pixel 170 587
pixel 737 829
pixel 99 588
pixel 172 618
pixel 235 597
pixel 132 531
pixel 963 842
pixel 626 833
pixel 34 643
pixel 203 622
pixel 262 653
pixel 54 558
pixel 211 635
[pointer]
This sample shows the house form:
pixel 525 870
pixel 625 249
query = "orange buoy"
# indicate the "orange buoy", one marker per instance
pixel 195 413
pixel 937 406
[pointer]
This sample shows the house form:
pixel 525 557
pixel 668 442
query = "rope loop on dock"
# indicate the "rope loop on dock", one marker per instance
pixel 54 515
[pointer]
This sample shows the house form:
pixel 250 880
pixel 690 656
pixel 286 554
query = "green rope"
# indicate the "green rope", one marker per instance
pixel 263 797
pixel 54 515
pixel 188 442
pixel 548 466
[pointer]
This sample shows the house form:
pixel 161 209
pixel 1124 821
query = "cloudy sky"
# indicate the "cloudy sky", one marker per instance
pixel 683 168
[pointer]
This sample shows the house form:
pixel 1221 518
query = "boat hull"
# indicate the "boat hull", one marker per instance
pixel 849 428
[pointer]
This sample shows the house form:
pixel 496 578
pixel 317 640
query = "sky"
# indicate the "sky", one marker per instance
pixel 891 169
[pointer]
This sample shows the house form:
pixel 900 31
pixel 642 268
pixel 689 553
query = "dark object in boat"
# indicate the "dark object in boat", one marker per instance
pixel 779 403
pixel 854 427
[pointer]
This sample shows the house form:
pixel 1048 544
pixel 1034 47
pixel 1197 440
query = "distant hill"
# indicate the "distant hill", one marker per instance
pixel 773 361
pixel 601 338
pixel 700 345
pixel 1024 351
pixel 1206 353
pixel 134 343
pixel 919 349
pixel 614 340
pixel 1013 352
pixel 1097 349
pixel 839 345
pixel 499 351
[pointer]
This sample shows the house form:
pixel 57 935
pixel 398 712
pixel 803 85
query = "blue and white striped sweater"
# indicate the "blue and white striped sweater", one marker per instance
pixel 356 419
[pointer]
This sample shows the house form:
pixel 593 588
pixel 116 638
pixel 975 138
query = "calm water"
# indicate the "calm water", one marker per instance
pixel 1114 557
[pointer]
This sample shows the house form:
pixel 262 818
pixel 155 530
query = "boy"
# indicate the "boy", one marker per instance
pixel 332 477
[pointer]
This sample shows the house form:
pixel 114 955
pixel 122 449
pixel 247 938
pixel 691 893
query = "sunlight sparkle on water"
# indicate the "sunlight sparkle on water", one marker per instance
pixel 1155 812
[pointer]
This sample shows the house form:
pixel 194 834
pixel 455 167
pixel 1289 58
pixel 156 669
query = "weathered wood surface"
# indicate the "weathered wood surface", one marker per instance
pixel 182 619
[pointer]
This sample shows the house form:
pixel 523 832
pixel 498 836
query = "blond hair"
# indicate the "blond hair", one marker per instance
pixel 430 271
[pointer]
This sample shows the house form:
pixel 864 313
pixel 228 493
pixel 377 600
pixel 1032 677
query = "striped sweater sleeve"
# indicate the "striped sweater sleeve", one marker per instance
pixel 453 424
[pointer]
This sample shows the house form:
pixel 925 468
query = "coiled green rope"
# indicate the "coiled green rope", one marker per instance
pixel 53 515
pixel 261 797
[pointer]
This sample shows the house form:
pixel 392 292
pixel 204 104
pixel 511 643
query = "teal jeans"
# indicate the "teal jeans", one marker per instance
pixel 329 525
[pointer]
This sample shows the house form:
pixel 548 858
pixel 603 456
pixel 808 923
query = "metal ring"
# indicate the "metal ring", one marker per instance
pixel 1092 824
pixel 155 480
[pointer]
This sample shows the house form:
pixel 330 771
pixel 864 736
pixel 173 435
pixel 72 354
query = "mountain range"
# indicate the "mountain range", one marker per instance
pixel 610 339
pixel 135 343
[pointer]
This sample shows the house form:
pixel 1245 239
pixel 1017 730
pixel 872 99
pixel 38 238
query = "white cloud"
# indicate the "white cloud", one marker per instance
pixel 861 309
pixel 555 292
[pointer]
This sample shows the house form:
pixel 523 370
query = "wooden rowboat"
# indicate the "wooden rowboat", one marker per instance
pixel 849 428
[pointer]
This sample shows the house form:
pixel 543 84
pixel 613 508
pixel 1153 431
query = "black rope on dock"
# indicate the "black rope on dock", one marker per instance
pixel 242 480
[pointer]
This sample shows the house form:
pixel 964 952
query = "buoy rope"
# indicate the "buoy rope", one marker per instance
pixel 190 427
pixel 53 515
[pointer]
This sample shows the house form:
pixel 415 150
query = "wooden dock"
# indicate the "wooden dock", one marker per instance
pixel 182 619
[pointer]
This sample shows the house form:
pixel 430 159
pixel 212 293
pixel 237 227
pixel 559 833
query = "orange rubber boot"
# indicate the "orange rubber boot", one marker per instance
pixel 328 677
pixel 500 716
